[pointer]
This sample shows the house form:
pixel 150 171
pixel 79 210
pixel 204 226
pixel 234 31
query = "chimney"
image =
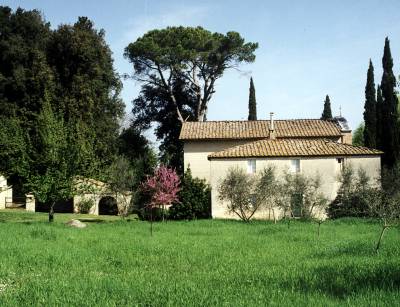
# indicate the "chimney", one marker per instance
pixel 271 126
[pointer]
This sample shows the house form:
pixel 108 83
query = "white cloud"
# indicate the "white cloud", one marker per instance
pixel 180 16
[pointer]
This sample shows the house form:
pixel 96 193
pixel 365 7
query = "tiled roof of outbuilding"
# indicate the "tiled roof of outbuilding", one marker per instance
pixel 293 148
pixel 296 128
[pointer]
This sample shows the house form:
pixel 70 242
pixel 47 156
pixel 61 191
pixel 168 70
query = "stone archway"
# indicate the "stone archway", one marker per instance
pixel 108 206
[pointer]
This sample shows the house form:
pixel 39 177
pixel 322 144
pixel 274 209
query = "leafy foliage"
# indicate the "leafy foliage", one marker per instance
pixel 195 199
pixel 252 102
pixel 154 105
pixel 358 135
pixel 301 196
pixel 327 112
pixel 87 86
pixel 51 178
pixel 369 134
pixel 69 68
pixel 122 182
pixel 163 187
pixel 84 205
pixel 192 54
pixel 245 193
pixel 350 200
pixel 390 130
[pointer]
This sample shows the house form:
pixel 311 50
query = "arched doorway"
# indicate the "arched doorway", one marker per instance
pixel 108 206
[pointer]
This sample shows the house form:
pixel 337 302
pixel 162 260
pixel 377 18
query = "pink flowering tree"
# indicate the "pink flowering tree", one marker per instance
pixel 163 188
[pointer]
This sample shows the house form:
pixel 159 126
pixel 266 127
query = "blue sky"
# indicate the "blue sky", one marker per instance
pixel 307 49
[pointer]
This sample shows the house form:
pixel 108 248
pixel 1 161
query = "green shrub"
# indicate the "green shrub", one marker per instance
pixel 351 199
pixel 84 205
pixel 195 199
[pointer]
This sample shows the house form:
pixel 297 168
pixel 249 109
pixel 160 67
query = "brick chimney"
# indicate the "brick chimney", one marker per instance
pixel 272 135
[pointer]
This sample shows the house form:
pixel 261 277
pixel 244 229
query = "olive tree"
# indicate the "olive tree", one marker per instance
pixel 122 182
pixel 301 196
pixel 246 193
pixel 384 201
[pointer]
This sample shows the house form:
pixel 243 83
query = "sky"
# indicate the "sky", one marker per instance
pixel 307 49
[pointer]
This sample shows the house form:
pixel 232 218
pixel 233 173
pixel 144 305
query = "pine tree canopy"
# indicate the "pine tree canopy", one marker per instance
pixel 327 113
pixel 370 109
pixel 252 101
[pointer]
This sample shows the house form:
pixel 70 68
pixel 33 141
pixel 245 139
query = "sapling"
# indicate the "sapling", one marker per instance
pixel 163 188
pixel 386 207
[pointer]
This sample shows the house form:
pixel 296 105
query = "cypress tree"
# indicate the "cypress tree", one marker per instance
pixel 370 109
pixel 390 123
pixel 252 102
pixel 379 107
pixel 327 113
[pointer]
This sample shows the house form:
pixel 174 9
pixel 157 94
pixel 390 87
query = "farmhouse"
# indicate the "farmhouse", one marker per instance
pixel 307 146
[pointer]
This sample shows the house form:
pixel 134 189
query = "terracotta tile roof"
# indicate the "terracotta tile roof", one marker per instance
pixel 258 129
pixel 293 148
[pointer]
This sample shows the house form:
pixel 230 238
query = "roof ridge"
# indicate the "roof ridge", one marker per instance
pixel 234 151
pixel 258 120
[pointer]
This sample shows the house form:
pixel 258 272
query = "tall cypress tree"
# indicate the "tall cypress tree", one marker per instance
pixel 390 123
pixel 252 102
pixel 327 113
pixel 370 109
pixel 379 108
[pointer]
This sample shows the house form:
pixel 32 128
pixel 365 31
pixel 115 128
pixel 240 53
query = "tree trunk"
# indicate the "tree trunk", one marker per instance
pixel 51 212
pixel 378 244
pixel 319 226
pixel 151 221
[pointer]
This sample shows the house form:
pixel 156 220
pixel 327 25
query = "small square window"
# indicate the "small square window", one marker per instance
pixel 251 166
pixel 295 166
pixel 340 163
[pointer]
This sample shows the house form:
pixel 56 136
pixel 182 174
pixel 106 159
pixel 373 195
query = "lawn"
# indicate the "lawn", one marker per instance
pixel 203 263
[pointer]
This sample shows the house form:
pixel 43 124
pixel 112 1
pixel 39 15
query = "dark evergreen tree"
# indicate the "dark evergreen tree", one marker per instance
pixel 390 123
pixel 252 101
pixel 194 199
pixel 327 113
pixel 370 109
pixel 24 73
pixel 88 87
pixel 71 70
pixel 379 108
pixel 154 105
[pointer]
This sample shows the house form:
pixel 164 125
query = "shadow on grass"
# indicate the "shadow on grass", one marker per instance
pixel 92 220
pixel 344 281
pixel 351 248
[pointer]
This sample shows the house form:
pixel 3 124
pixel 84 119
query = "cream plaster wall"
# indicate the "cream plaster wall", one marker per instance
pixel 327 168
pixel 5 192
pixel 196 153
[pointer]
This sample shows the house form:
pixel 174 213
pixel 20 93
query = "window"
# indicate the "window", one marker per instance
pixel 340 163
pixel 295 166
pixel 251 166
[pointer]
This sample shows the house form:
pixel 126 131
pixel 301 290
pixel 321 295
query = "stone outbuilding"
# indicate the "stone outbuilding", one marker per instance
pixel 6 192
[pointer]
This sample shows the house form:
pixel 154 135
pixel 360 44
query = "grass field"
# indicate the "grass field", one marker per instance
pixel 203 263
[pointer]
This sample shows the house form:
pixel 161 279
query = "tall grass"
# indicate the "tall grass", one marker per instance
pixel 202 263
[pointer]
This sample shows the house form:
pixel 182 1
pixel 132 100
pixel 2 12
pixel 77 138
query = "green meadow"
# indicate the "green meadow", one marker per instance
pixel 115 262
